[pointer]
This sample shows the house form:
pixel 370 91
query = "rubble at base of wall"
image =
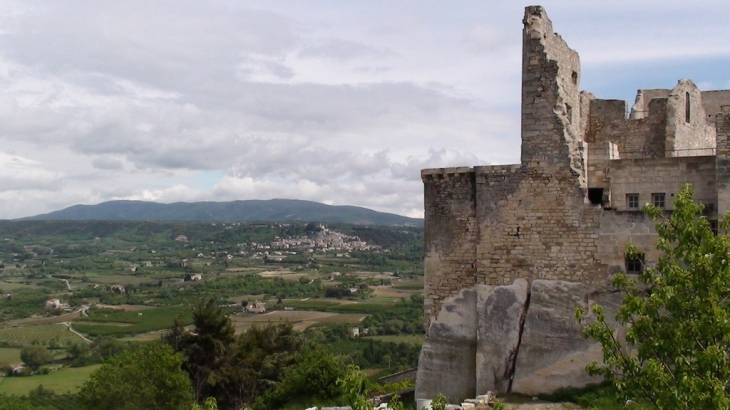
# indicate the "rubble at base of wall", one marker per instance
pixel 512 339
pixel 329 408
pixel 481 402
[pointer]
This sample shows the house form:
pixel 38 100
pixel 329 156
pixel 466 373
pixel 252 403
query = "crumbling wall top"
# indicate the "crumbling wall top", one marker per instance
pixel 537 22
pixel 550 98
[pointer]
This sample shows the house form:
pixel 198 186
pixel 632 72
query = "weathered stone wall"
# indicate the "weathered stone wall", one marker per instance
pixel 635 138
pixel 722 161
pixel 661 175
pixel 640 109
pixel 712 102
pixel 617 230
pixel 610 135
pixel 451 234
pixel 550 98
pixel 687 132
pixel 534 224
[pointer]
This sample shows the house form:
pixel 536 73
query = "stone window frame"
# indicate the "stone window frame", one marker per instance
pixel 659 199
pixel 635 265
pixel 632 200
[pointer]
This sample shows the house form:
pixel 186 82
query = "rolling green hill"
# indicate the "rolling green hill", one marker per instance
pixel 274 210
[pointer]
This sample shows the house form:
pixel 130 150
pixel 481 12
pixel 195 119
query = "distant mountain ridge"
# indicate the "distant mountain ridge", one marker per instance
pixel 273 210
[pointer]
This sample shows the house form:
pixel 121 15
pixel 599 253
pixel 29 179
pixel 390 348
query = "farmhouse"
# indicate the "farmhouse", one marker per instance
pixel 257 307
pixel 55 304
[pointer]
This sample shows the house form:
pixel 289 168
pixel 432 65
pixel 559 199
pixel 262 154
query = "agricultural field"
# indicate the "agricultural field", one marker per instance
pixel 66 380
pixel 123 322
pixel 26 335
pixel 300 319
pixel 9 355
pixel 129 281
pixel 41 320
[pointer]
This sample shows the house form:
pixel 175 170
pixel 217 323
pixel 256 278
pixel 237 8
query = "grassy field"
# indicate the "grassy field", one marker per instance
pixel 394 292
pixel 311 304
pixel 133 308
pixel 125 279
pixel 41 333
pixel 383 299
pixel 9 355
pixel 361 308
pixel 15 285
pixel 300 319
pixel 248 298
pixel 61 381
pixel 66 317
pixel 106 322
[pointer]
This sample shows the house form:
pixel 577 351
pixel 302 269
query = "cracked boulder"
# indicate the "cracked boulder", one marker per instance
pixel 500 315
pixel 553 353
pixel 447 361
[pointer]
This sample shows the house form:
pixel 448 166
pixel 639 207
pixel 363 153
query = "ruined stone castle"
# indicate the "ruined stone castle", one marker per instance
pixel 561 219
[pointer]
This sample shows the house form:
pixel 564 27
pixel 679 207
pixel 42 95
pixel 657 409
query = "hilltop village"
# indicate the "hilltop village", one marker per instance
pixel 324 240
pixel 511 250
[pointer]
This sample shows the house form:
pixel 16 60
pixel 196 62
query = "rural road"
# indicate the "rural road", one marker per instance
pixel 68 285
pixel 74 331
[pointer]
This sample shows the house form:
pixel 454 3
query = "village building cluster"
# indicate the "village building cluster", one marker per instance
pixel 323 240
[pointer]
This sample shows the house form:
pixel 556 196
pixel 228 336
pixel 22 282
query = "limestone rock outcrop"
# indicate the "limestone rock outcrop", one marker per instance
pixel 553 352
pixel 448 357
pixel 500 315
pixel 518 338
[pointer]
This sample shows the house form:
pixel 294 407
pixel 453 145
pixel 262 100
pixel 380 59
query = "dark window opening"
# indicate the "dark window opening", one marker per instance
pixel 575 78
pixel 635 263
pixel 595 196
pixel 713 227
pixel 632 201
pixel 686 107
pixel 658 200
pixel 569 112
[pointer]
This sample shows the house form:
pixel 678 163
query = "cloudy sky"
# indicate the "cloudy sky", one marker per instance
pixel 341 102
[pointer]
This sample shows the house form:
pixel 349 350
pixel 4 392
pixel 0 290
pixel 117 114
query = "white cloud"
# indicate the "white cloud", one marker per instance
pixel 342 103
pixel 23 174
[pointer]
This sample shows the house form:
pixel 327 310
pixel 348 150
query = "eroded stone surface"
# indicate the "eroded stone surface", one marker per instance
pixel 447 363
pixel 553 352
pixel 499 317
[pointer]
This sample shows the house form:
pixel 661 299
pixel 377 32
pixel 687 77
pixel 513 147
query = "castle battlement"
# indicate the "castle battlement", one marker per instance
pixel 498 169
pixel 442 173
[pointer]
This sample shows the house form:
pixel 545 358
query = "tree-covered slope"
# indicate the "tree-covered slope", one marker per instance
pixel 251 210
